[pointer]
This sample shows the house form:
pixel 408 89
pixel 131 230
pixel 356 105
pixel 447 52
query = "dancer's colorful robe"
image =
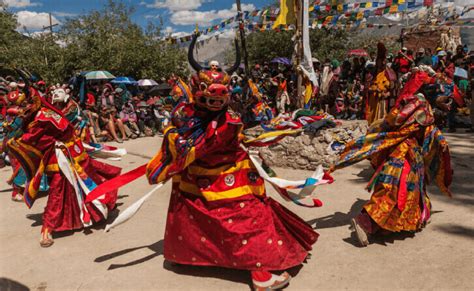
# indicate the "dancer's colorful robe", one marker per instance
pixel 408 152
pixel 219 214
pixel 47 139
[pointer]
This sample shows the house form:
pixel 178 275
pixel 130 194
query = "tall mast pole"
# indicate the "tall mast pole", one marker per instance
pixel 299 50
pixel 242 38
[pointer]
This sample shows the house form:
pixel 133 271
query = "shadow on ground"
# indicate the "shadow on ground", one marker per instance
pixel 337 219
pixel 156 247
pixel 458 230
pixel 11 285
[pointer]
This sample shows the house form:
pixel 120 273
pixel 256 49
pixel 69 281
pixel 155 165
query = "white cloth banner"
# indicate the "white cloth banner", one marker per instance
pixel 306 62
pixel 132 209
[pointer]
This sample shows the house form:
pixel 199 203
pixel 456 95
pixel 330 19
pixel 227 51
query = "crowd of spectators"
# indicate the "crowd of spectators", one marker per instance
pixel 118 112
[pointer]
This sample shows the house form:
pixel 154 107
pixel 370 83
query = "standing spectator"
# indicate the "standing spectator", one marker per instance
pixel 402 62
pixel 256 72
pixel 460 58
pixel 442 61
pixel 282 99
pixel 422 58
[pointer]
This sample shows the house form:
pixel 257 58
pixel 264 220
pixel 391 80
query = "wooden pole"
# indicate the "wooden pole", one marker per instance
pixel 299 50
pixel 51 25
pixel 242 39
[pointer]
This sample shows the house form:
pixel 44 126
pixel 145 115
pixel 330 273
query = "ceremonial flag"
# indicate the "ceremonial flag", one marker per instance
pixel 427 2
pixel 287 13
pixel 306 62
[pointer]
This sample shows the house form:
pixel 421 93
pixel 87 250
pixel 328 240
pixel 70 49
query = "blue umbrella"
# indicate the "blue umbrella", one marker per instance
pixel 284 61
pixel 124 80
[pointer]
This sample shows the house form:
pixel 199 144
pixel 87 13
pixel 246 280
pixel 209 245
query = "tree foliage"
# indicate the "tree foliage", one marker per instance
pixel 325 44
pixel 103 39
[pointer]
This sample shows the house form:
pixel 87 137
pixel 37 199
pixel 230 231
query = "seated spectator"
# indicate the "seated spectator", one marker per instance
pixel 129 118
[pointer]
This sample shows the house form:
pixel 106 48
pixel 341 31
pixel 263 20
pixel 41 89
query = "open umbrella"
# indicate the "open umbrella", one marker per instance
pixel 160 90
pixel 124 80
pixel 358 53
pixel 147 82
pixel 99 75
pixel 284 61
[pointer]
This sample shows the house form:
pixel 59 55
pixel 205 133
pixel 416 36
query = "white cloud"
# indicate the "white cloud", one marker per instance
pixel 179 34
pixel 34 20
pixel 64 14
pixel 20 3
pixel 175 5
pixel 169 30
pixel 187 17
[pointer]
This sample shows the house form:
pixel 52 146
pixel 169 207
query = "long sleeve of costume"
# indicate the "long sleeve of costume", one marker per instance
pixel 371 144
pixel 179 149
pixel 437 159
pixel 35 148
pixel 30 148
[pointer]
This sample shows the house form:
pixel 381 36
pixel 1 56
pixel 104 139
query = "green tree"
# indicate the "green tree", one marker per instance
pixel 266 45
pixel 325 44
pixel 39 53
pixel 104 39
pixel 107 39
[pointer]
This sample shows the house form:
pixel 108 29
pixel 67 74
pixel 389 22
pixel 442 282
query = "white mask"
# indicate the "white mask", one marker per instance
pixel 59 95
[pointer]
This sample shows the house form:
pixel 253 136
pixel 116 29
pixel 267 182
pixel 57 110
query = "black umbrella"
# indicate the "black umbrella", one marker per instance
pixel 161 90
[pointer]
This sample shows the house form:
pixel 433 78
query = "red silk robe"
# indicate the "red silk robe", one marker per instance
pixel 219 214
pixel 36 150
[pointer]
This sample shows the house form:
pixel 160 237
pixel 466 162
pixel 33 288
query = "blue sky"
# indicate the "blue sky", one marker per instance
pixel 178 15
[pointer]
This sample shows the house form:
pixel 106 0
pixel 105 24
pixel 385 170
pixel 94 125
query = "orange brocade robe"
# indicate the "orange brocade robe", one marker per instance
pixel 407 152
pixel 376 102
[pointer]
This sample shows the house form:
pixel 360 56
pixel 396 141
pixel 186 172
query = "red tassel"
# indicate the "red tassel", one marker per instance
pixel 317 203
pixel 327 176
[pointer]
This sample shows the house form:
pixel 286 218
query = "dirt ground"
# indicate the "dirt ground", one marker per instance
pixel 130 256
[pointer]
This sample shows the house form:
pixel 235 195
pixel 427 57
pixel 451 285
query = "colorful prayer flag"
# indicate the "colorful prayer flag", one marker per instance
pixel 287 13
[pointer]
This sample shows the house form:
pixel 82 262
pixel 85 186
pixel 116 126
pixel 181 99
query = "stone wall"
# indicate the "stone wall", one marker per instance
pixel 307 151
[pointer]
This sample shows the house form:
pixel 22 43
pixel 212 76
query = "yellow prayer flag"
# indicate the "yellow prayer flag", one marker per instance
pixel 401 1
pixel 360 15
pixel 308 93
pixel 368 4
pixel 287 13
pixel 339 7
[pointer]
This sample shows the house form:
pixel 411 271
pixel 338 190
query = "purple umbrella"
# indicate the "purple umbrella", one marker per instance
pixel 284 61
pixel 147 82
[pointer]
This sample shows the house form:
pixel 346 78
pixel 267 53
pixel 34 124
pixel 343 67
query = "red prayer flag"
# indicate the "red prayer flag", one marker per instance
pixel 427 2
